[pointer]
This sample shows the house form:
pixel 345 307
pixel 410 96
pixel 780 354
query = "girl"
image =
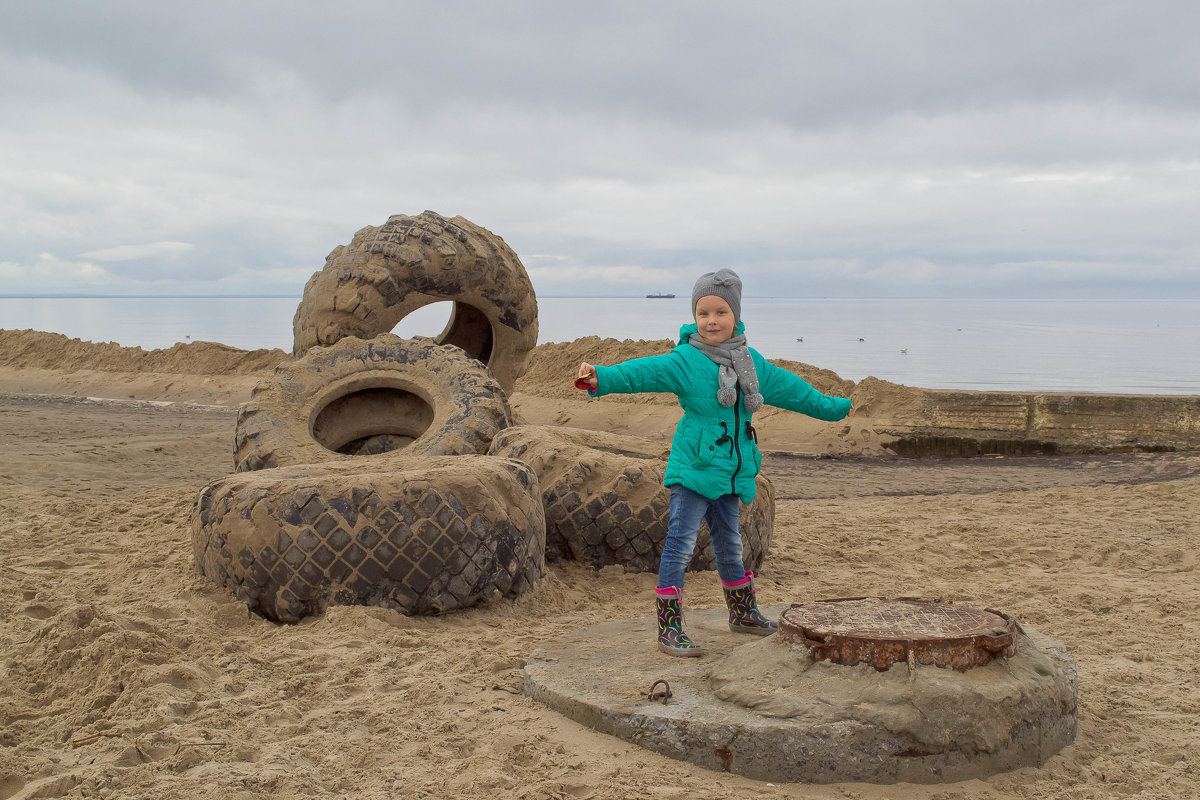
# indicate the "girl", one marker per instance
pixel 720 383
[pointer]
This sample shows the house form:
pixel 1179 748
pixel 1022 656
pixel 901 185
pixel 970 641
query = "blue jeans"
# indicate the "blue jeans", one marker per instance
pixel 687 510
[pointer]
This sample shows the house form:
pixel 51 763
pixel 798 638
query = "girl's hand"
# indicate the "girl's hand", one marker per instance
pixel 586 379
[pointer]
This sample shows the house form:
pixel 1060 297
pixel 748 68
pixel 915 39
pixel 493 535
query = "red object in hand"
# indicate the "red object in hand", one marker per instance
pixel 582 383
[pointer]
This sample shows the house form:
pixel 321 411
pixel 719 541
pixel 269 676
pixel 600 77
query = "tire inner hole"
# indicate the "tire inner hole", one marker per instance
pixel 372 420
pixel 465 327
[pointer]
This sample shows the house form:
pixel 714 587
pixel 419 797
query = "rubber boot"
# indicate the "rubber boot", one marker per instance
pixel 671 638
pixel 743 608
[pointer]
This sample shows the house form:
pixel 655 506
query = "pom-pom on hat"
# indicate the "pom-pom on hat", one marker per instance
pixel 725 284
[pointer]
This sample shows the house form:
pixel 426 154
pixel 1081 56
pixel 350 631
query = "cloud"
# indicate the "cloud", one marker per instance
pixel 134 252
pixel 51 273
pixel 557 273
pixel 920 147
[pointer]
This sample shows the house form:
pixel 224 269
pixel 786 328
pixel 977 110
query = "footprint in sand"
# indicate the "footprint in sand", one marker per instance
pixel 38 612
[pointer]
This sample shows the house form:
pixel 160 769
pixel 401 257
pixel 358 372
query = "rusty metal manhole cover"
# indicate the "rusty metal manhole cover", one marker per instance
pixel 882 632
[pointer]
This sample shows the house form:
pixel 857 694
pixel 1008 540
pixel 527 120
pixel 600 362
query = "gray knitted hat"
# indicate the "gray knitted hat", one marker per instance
pixel 725 284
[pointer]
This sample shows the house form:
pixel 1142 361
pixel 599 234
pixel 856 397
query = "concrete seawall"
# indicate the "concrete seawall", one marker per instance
pixel 913 421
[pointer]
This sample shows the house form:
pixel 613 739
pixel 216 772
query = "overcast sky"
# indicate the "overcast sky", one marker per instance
pixel 821 149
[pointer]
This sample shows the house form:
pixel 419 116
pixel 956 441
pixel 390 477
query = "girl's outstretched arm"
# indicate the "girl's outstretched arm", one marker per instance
pixel 784 389
pixel 664 373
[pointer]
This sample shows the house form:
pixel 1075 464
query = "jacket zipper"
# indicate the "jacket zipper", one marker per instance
pixel 737 420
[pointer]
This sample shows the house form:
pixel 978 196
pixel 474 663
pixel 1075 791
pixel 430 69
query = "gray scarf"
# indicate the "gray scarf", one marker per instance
pixel 733 357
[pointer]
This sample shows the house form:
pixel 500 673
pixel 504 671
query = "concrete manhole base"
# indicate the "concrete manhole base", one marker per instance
pixel 762 708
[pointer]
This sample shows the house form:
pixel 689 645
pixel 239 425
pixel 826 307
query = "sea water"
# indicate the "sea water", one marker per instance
pixel 1122 346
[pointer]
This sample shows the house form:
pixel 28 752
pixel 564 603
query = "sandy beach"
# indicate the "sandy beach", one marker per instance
pixel 125 674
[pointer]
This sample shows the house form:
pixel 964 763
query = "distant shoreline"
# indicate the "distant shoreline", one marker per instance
pixel 1124 346
pixel 748 296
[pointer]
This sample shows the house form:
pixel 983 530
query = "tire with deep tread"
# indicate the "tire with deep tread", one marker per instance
pixel 605 502
pixel 389 271
pixel 440 535
pixel 406 397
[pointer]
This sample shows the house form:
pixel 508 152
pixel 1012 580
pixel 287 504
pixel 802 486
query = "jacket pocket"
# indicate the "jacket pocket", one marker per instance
pixel 707 447
pixel 723 445
pixel 755 456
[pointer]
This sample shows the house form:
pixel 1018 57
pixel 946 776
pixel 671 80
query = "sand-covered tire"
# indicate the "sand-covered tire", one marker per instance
pixel 389 271
pixel 442 534
pixel 379 398
pixel 605 502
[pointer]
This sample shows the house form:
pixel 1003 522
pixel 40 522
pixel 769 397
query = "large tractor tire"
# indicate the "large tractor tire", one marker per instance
pixel 387 272
pixel 369 398
pixel 606 504
pixel 442 534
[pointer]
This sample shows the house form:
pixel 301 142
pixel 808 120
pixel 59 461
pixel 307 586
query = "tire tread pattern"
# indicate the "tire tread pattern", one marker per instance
pixel 272 428
pixel 389 271
pixel 446 534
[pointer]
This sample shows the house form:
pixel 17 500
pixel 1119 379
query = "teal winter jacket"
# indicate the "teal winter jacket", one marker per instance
pixel 715 449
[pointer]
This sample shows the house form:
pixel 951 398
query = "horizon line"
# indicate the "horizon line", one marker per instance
pixel 91 296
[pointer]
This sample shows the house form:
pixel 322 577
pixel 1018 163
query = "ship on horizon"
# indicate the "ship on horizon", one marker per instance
pixel 660 296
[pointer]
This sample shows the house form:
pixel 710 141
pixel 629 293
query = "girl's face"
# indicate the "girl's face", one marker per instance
pixel 714 318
